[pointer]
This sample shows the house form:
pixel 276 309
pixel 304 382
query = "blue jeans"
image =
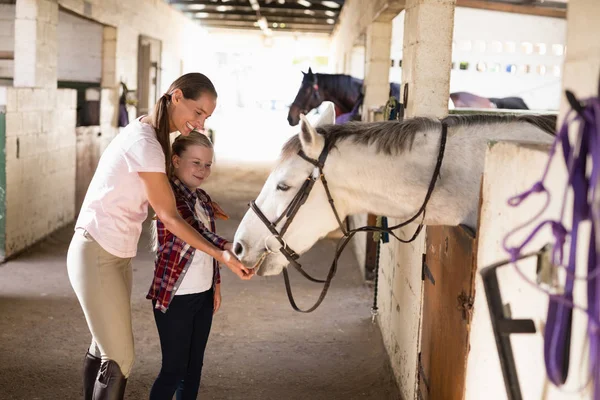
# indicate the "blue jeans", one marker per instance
pixel 183 332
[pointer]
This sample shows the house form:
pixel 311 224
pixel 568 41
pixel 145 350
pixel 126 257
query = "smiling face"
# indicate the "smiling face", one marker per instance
pixel 187 115
pixel 193 167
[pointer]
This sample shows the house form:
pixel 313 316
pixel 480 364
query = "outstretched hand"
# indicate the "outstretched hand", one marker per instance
pixel 231 261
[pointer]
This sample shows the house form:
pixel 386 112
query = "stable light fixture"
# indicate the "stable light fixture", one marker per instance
pixel 195 7
pixel 202 15
pixel 330 13
pixel 254 4
pixel 262 23
pixel 330 21
pixel 309 12
pixel 224 8
pixel 330 4
pixel 304 3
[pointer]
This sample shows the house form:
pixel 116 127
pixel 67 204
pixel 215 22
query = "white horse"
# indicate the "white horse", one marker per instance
pixel 382 168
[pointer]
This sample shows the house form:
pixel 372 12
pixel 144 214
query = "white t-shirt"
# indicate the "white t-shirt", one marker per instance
pixel 115 205
pixel 199 276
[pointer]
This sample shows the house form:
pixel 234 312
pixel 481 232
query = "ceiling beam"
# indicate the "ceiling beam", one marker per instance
pixel 251 22
pixel 288 5
pixel 252 17
pixel 529 9
pixel 264 10
pixel 208 23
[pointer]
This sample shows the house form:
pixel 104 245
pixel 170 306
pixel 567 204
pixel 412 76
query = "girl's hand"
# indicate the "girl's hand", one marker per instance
pixel 228 246
pixel 217 298
pixel 231 261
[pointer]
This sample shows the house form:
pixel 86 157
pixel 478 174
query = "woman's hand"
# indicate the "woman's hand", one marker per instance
pixel 217 298
pixel 231 261
pixel 228 246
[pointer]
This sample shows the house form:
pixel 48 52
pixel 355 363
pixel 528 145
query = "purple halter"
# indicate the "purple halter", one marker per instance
pixel 586 207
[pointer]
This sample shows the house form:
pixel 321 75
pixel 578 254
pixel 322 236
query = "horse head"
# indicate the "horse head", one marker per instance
pixel 307 98
pixel 254 243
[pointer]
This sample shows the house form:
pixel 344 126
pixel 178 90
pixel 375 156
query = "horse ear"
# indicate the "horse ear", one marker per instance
pixel 310 71
pixel 312 142
pixel 328 114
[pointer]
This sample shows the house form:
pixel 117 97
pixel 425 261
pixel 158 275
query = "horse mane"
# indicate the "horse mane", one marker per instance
pixel 337 82
pixel 393 137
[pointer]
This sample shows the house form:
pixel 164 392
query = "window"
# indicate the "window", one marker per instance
pixel 541 70
pixel 480 46
pixel 496 46
pixel 464 65
pixel 558 49
pixel 556 71
pixel 465 45
pixel 510 47
pixel 511 69
pixel 524 69
pixel 540 48
pixel 527 47
pixel 481 67
pixel 495 67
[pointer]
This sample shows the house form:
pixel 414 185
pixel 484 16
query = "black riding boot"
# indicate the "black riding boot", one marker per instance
pixel 91 366
pixel 111 382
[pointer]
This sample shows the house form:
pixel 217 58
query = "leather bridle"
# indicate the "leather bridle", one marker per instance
pixel 300 198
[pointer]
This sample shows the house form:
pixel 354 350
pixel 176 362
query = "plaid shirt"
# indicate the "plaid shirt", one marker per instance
pixel 173 255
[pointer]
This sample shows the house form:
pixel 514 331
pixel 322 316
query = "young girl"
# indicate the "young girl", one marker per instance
pixel 132 173
pixel 186 289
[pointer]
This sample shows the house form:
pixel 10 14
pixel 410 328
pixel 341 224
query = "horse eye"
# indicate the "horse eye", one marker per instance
pixel 283 187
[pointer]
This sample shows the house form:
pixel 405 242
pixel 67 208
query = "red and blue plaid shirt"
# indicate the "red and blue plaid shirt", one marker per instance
pixel 173 255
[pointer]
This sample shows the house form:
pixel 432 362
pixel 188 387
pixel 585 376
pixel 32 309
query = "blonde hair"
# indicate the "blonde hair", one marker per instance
pixel 179 146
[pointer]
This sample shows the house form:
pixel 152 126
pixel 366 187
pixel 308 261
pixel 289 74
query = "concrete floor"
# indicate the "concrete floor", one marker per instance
pixel 259 347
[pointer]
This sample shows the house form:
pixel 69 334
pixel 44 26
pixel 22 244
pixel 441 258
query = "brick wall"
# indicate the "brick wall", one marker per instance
pixel 40 164
pixel 7 37
pixel 79 49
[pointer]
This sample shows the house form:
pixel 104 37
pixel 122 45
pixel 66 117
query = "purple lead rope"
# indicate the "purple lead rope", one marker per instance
pixel 586 207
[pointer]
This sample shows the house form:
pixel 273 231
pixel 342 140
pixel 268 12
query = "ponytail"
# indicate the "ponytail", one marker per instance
pixel 161 125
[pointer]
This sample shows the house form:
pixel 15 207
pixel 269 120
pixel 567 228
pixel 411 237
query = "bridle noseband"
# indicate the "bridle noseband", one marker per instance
pixel 300 198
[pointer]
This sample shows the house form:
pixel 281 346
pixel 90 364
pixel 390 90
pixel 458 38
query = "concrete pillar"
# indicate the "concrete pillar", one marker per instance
pixel 582 62
pixel 427 55
pixel 109 96
pixel 109 57
pixel 377 65
pixel 36 43
pixel 426 65
pixel 357 62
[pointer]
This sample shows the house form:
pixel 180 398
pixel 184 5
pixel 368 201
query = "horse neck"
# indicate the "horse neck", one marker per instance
pixel 343 96
pixel 396 185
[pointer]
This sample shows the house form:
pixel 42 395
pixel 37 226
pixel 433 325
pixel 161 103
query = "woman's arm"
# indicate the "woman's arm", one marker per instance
pixel 161 198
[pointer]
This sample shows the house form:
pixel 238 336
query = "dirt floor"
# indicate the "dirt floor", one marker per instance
pixel 259 347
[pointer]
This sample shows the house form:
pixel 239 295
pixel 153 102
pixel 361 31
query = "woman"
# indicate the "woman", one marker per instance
pixel 132 173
